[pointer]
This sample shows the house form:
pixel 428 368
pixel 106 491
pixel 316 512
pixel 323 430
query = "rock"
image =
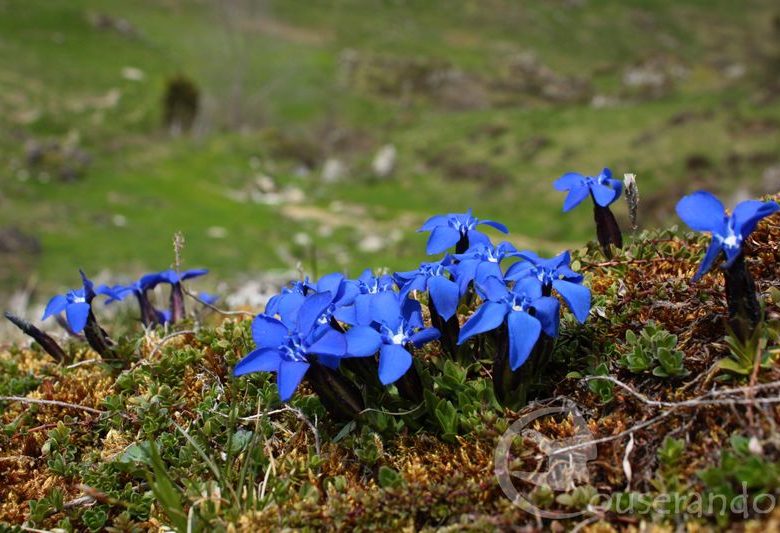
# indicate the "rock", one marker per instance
pixel 771 179
pixel 371 243
pixel 384 161
pixel 104 21
pixel 653 77
pixel 527 75
pixel 64 160
pixel 217 232
pixel 333 170
pixel 13 241
pixel 133 74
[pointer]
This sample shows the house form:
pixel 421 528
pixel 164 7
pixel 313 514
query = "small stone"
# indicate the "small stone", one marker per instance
pixel 384 161
pixel 217 232
pixel 333 170
pixel 371 243
pixel 133 74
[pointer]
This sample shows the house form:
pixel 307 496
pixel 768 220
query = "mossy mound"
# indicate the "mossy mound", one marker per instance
pixel 169 438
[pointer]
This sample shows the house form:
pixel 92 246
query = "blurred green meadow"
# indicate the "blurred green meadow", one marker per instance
pixel 483 103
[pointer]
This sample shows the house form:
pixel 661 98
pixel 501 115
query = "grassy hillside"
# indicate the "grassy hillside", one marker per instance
pixel 485 102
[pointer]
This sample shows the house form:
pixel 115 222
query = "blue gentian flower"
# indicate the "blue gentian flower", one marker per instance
pixel 702 211
pixel 456 230
pixel 149 315
pixel 287 303
pixel 397 322
pixel 433 278
pixel 554 273
pixel 174 279
pixel 523 308
pixel 603 188
pixel 286 346
pixel 77 305
pixel 480 262
pixel 367 286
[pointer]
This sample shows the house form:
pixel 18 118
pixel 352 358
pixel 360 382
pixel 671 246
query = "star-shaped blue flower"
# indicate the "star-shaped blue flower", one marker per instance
pixel 289 300
pixel 286 346
pixel 554 273
pixel 702 211
pixel 76 304
pixel 456 229
pixel 170 276
pixel 367 286
pixel 480 262
pixel 524 309
pixel 435 279
pixel 396 322
pixel 603 188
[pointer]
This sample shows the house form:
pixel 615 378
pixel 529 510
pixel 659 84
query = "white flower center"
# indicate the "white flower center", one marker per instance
pixel 731 241
pixel 399 336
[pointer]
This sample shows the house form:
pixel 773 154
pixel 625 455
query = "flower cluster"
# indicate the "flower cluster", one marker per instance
pixel 77 305
pixel 310 328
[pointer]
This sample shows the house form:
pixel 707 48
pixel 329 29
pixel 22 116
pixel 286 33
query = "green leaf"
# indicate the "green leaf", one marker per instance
pixel 733 366
pixel 389 478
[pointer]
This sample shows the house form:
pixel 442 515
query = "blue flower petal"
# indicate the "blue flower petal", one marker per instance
pixel 488 317
pixel 434 221
pixel 493 289
pixel 731 255
pixel 411 311
pixel 89 287
pixel 493 224
pixel 77 314
pixel 524 331
pixel 56 305
pixel 616 186
pixel 477 237
pixel 331 283
pixel 442 238
pixel 289 377
pixel 362 341
pixel 530 287
pixel 747 214
pixel 150 281
pixel 363 309
pixel 424 336
pixel 386 309
pixel 577 297
pixel 445 295
pixel 548 312
pixel 709 259
pixel 347 314
pixel 268 332
pixel 260 360
pixel 329 343
pixel 575 197
pixel 394 361
pixel 570 275
pixel 570 180
pixel 417 283
pixel 518 270
pixel 702 211
pixel 602 194
pixel 465 272
pixel 189 274
pixel 288 307
pixel 485 270
pixel 312 309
